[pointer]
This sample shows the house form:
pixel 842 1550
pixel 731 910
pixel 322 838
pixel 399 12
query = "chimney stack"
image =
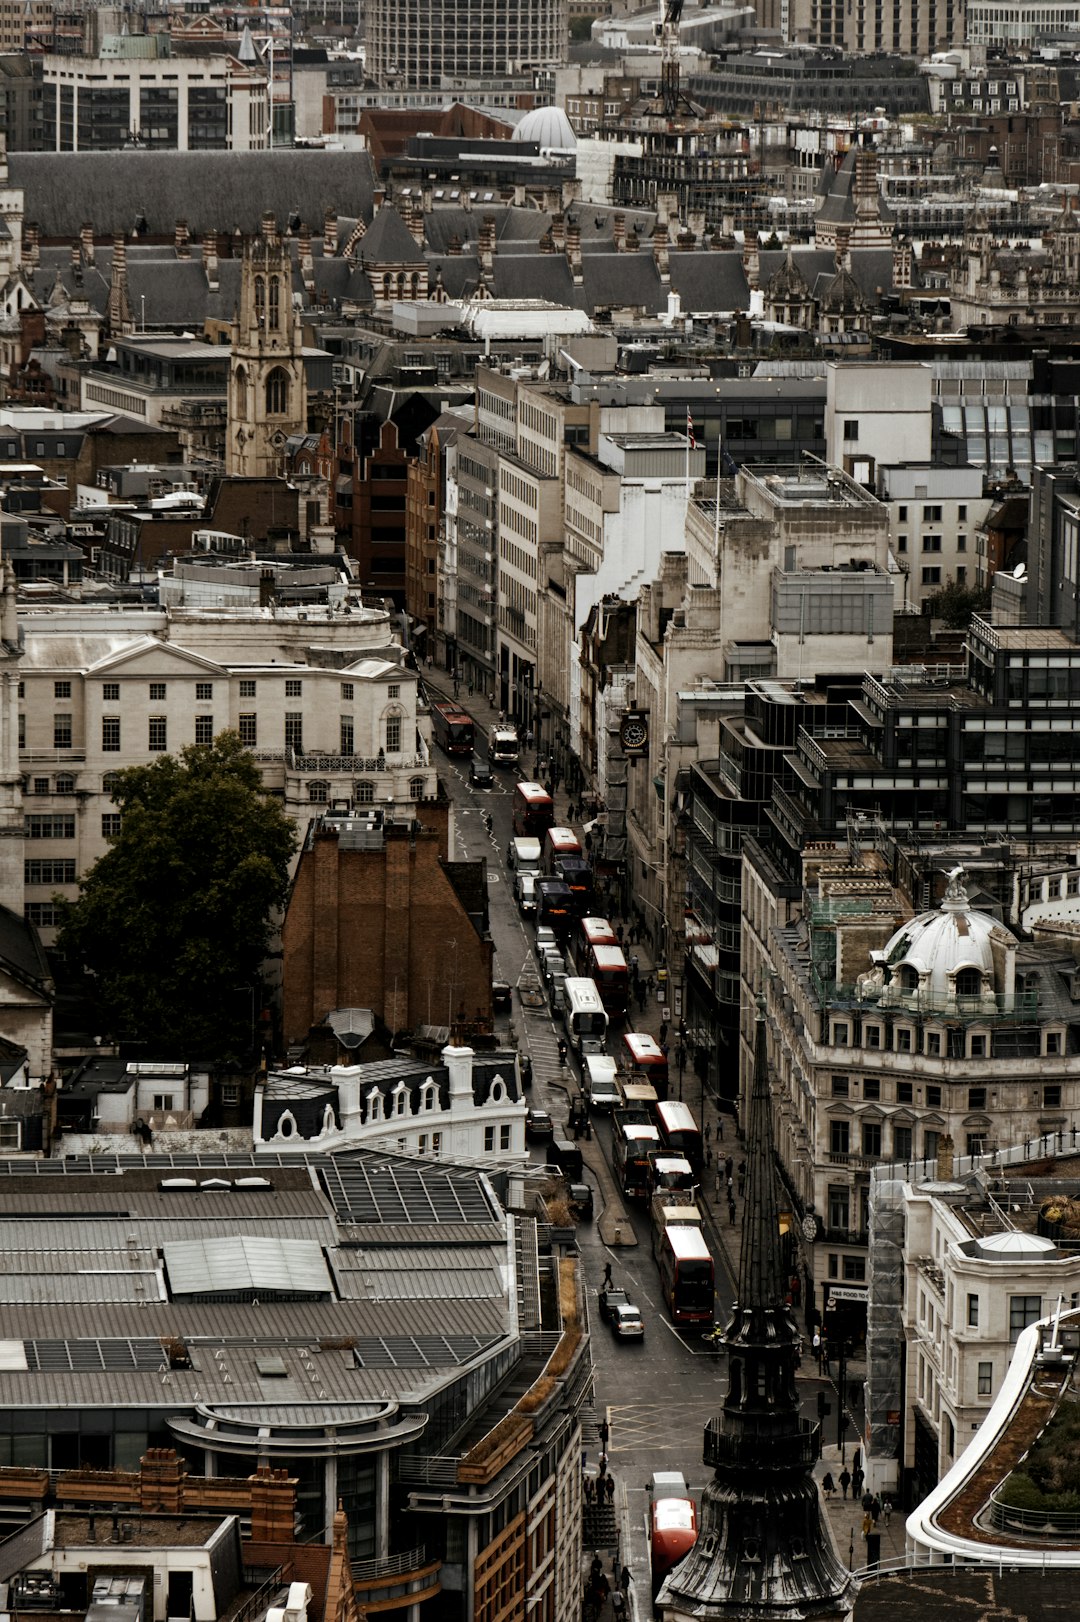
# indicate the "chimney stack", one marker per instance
pixel 182 240
pixel 86 237
pixel 329 234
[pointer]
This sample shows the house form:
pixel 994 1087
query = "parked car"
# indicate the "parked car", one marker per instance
pixel 502 996
pixel 627 1322
pixel 525 890
pixel 610 1299
pixel 480 774
pixel 539 1125
pixel 581 1200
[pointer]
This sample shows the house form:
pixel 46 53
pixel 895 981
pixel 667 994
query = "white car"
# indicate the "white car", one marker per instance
pixel 525 889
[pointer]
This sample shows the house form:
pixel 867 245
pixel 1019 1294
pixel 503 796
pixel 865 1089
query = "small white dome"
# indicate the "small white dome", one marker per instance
pixel 1010 1245
pixel 549 127
pixel 945 954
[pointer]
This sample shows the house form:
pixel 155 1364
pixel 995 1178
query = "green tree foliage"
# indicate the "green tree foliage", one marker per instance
pixel 174 921
pixel 956 604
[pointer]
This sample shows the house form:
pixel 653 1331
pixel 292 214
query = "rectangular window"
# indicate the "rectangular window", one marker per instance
pixel 931 515
pixel 247 688
pixel 838 1206
pixel 839 1137
pixel 1024 1310
pixel 871 1087
pixel 59 872
pixel 294 731
pixel 931 543
pixel 871 1138
pixel 489 1140
pixel 901 1139
pixel 110 734
pixel 840 1086
pixel 394 690
pixel 110 825
pixel 855 1269
pixel 157 692
pixel 973 1312
pixel 61 689
pixel 61 731
pixel 204 692
pixel 157 734
pixel 393 734
pixel 1051 1095
pixel 872 1036
pixel 930 1145
pixel 931 577
pixel 41 913
pixel 347 735
pixel 901 513
pixel 163 1100
pixel 204 729
pixel 293 688
pixel 902 1040
pixel 1053 1041
pixel 10 1134
pixel 978 1047
pixel 933 1097
pixel 347 692
pixel 976 1098
pixel 110 692
pixel 230 1094
pixel 933 1043
pixel 986 1379
pixel 22 731
pixel 851 428
pixel 504 1138
pixel 248 730
pixel 840 1035
pixel 50 827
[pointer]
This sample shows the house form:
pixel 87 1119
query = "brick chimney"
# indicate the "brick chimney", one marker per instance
pixel 182 238
pixel 76 261
pixel 660 251
pixel 161 1481
pixel 307 263
pixel 119 308
pixel 415 220
pixel 945 1158
pixel 86 237
pixel 210 261
pixel 573 249
pixel 273 1499
pixel 485 247
pixel 268 226
pixel 558 232
pixel 31 242
pixel 618 230
pixel 379 198
pixel 751 260
pixel 329 235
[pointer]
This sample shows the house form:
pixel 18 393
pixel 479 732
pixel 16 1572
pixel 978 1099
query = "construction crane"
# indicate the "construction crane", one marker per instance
pixel 668 30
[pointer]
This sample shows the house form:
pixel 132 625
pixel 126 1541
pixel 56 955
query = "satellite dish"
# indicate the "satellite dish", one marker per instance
pixel 1020 571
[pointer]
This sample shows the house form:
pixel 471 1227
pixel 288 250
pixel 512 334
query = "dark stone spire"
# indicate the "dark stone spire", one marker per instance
pixel 762 1551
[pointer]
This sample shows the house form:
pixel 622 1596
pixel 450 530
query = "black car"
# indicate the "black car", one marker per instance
pixel 581 1200
pixel 480 773
pixel 610 1299
pixel 502 996
pixel 538 1124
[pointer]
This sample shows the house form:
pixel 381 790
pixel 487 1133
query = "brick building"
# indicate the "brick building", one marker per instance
pixel 378 538
pixel 379 918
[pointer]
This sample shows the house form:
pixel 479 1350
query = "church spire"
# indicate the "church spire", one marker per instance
pixel 762 1550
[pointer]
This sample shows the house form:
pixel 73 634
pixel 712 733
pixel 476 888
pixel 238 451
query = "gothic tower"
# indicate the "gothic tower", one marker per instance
pixel 12 874
pixel 267 385
pixel 762 1551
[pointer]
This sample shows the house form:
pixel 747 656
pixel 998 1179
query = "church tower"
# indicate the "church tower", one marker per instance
pixel 12 873
pixel 267 384
pixel 762 1551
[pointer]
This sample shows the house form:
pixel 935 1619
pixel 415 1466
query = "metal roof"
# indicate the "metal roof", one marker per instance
pixel 243 1262
pixel 391 1272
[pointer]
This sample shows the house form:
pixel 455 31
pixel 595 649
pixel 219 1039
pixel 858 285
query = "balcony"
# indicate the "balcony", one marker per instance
pixel 771 1451
pixel 353 764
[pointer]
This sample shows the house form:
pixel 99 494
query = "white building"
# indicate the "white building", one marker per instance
pixel 176 103
pixel 934 513
pixel 877 414
pixel 326 705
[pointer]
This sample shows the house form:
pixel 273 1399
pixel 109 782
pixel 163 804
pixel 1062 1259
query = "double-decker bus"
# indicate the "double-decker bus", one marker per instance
pixel 679 1131
pixel 638 1097
pixel 583 1015
pixel 645 1060
pixel 667 1212
pixel 579 876
pixel 608 969
pixel 686 1274
pixel 673 1524
pixel 591 931
pixel 533 812
pixel 555 906
pixel 559 842
pixel 504 746
pixel 453 728
pixel 672 1174
pixel 632 1144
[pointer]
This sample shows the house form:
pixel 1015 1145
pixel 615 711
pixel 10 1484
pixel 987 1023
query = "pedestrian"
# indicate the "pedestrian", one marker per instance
pixel 720 1128
pixel 731 1211
pixel 608 1280
pixel 605 1432
pixel 867 1500
pixel 886 1509
pixel 845 1480
pixel 619 932
pixel 708 1155
pixel 856 1481
pixel 718 1185
pixel 867 1523
pixel 570 812
pixel 642 994
pixel 708 1133
pixel 729 1165
pixel 611 1489
pixel 618 1605
pixel 597 1565
pixel 731 1189
pixel 625 1579
pixel 742 1176
pixel 588 844
pixel 817 1349
pixel 828 1485
pixel 602 1465
pixel 856 1459
pixel 589 1489
pixel 663 1032
pixel 875 1508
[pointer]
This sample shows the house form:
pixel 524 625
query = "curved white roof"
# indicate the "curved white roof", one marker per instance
pixel 1011 1244
pixel 954 936
pixel 549 126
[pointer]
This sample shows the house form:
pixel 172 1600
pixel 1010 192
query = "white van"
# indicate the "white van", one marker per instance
pixel 600 1081
pixel 524 855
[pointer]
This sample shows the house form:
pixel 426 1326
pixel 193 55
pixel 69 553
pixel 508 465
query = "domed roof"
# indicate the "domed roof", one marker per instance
pixel 934 947
pixel 548 126
pixel 1010 1245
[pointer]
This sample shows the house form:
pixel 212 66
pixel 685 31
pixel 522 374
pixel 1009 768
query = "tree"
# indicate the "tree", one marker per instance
pixel 174 921
pixel 955 604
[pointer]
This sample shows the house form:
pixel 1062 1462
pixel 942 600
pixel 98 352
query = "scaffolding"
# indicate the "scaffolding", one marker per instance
pixel 884 1328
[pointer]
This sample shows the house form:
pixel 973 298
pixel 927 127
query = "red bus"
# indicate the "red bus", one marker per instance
pixel 533 812
pixel 608 969
pixel 559 842
pixel 686 1274
pixel 592 932
pixel 631 1157
pixel 679 1131
pixel 673 1526
pixel 646 1060
pixel 453 728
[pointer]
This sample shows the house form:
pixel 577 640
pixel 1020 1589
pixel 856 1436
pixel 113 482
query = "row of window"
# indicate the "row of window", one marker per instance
pixel 936 1098
pixel 204 690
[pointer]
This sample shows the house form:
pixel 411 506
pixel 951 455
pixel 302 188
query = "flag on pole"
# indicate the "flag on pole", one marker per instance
pixel 690 430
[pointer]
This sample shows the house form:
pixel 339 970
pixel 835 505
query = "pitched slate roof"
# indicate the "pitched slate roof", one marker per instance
pixel 21 952
pixel 212 191
pixel 388 241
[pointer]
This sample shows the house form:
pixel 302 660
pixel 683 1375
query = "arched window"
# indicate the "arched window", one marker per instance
pixel 109 782
pixel 414 285
pixel 364 793
pixel 401 284
pixel 318 793
pixel 431 1095
pixel 416 788
pixel 393 734
pixel 65 785
pixel 375 1109
pixel 260 300
pixel 387 286
pixel 909 977
pixel 968 982
pixel 275 303
pixel 277 393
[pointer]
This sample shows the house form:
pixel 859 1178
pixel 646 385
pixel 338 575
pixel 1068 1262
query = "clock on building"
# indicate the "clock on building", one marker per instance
pixel 809 1227
pixel 634 732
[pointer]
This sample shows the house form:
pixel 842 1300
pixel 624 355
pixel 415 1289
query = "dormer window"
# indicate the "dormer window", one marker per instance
pixel 968 982
pixel 908 977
